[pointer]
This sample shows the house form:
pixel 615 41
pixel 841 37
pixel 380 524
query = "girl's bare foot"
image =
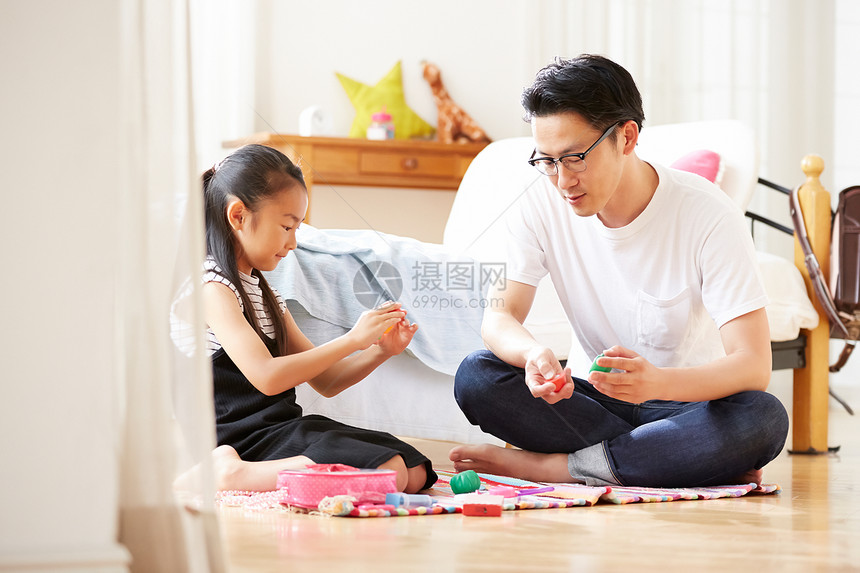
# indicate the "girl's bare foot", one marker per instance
pixel 231 472
pixel 227 466
pixel 511 462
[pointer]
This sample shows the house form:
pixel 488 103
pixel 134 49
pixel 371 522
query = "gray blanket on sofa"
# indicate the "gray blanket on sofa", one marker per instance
pixel 335 275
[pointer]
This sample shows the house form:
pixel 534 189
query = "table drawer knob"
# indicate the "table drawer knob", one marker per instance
pixel 409 163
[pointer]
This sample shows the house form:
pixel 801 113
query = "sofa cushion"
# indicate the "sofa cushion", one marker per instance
pixel 702 162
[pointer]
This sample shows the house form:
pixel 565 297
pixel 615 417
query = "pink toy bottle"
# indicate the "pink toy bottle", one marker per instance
pixel 381 126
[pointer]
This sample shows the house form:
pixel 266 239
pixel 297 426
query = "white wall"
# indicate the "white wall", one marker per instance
pixel 845 164
pixel 59 184
pixel 489 50
pixel 483 49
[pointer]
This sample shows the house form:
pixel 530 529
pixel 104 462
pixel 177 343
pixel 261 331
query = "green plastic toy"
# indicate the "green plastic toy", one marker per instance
pixel 594 366
pixel 465 482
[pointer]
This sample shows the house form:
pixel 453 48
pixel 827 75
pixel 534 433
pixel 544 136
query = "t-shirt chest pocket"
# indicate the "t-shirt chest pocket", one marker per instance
pixel 663 323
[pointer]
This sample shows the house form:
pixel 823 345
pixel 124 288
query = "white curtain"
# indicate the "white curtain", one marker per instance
pixel 165 401
pixel 224 44
pixel 768 63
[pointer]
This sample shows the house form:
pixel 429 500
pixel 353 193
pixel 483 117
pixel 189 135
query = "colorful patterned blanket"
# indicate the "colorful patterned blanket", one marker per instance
pixel 562 495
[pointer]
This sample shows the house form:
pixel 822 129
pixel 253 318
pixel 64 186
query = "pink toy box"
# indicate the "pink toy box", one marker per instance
pixel 306 488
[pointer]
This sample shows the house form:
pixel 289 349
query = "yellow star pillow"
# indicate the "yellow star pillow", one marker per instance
pixel 388 93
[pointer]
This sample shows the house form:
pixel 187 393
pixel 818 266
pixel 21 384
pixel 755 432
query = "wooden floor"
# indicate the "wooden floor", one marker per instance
pixel 813 525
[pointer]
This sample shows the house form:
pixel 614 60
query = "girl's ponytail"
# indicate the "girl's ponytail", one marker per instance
pixel 207 177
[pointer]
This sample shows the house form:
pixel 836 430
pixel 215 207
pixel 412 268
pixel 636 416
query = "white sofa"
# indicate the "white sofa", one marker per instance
pixel 407 397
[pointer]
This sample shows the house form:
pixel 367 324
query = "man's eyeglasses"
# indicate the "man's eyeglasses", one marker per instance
pixel 572 161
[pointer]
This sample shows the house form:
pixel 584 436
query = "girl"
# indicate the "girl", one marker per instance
pixel 255 200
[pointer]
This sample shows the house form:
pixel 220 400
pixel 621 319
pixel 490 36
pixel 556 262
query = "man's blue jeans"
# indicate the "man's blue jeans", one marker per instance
pixel 657 443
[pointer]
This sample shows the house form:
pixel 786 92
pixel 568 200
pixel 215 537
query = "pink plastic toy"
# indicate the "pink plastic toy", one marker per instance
pixel 307 487
pixel 503 490
pixel 507 491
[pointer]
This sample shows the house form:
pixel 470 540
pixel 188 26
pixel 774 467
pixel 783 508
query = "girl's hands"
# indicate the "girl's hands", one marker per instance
pixel 542 369
pixel 636 381
pixel 395 340
pixel 373 324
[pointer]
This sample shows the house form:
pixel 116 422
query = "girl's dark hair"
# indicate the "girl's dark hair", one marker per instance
pixel 252 174
pixel 596 88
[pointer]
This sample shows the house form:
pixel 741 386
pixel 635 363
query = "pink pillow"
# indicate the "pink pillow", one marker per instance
pixel 702 162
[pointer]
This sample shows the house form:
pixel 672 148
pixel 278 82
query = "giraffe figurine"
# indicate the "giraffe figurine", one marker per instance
pixel 455 125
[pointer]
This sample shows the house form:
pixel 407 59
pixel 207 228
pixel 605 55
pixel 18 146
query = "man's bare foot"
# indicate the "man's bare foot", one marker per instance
pixel 522 464
pixel 752 476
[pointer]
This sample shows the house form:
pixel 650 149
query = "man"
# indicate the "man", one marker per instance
pixel 656 270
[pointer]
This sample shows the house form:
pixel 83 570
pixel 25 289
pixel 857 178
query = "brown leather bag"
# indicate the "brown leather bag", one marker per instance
pixel 841 301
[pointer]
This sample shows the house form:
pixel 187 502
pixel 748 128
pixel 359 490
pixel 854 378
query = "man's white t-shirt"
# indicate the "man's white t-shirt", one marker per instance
pixel 661 286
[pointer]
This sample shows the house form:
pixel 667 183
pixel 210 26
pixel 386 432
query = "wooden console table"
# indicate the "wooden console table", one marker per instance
pixel 369 163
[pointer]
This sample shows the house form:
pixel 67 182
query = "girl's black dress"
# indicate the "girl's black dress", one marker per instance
pixel 262 427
